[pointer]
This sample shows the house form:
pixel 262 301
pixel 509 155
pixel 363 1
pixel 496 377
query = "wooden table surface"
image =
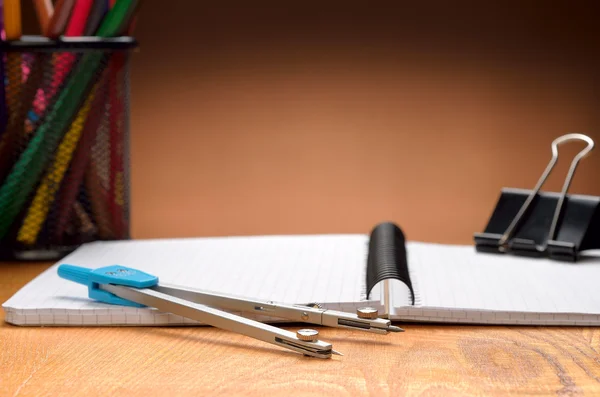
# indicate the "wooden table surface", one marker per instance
pixel 423 361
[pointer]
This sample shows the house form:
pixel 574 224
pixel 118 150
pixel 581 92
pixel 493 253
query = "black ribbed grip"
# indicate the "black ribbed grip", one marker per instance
pixel 387 257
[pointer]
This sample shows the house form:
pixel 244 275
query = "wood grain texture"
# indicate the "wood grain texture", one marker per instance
pixel 423 361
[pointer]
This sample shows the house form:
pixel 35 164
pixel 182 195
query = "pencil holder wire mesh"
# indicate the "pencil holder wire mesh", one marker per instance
pixel 64 145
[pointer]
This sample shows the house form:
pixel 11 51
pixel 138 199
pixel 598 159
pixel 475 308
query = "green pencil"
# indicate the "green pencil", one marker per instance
pixel 26 172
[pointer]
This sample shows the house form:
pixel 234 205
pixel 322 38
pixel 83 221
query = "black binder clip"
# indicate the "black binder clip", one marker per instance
pixel 544 224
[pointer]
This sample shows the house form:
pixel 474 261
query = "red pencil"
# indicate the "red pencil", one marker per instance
pixel 79 16
pixel 117 177
pixel 116 190
pixel 79 163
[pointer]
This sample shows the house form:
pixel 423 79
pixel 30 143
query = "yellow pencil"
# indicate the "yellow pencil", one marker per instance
pixel 46 192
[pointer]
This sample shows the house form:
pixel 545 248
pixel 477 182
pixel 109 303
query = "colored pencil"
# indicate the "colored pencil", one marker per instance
pixel 97 12
pixel 79 16
pixel 44 10
pixel 30 165
pixel 116 190
pixel 118 16
pixel 3 106
pixel 83 222
pixel 81 158
pixel 46 191
pixel 64 61
pixel 13 136
pixel 60 18
pixel 99 201
pixel 12 31
pixel 12 19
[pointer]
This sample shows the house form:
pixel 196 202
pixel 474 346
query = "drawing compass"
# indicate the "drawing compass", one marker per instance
pixel 120 285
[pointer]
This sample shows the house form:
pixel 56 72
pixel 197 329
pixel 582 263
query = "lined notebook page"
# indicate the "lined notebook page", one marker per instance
pixel 327 269
pixel 455 282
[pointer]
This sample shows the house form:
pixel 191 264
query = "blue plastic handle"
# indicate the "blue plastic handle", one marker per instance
pixel 116 275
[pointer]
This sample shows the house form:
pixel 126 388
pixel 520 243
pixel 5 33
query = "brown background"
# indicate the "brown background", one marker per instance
pixel 305 117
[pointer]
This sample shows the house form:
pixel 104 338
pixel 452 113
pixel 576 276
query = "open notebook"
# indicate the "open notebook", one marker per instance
pixel 411 281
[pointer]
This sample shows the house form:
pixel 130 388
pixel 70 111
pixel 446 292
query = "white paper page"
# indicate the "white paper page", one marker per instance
pixel 456 277
pixel 327 269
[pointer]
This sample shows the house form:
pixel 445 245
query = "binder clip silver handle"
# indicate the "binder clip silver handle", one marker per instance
pixel 516 221
pixel 537 223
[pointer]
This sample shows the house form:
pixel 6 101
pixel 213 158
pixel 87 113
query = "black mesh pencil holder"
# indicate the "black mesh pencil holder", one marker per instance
pixel 64 145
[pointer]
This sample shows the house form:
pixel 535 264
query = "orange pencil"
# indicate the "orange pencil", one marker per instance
pixel 12 19
pixel 12 31
pixel 44 10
